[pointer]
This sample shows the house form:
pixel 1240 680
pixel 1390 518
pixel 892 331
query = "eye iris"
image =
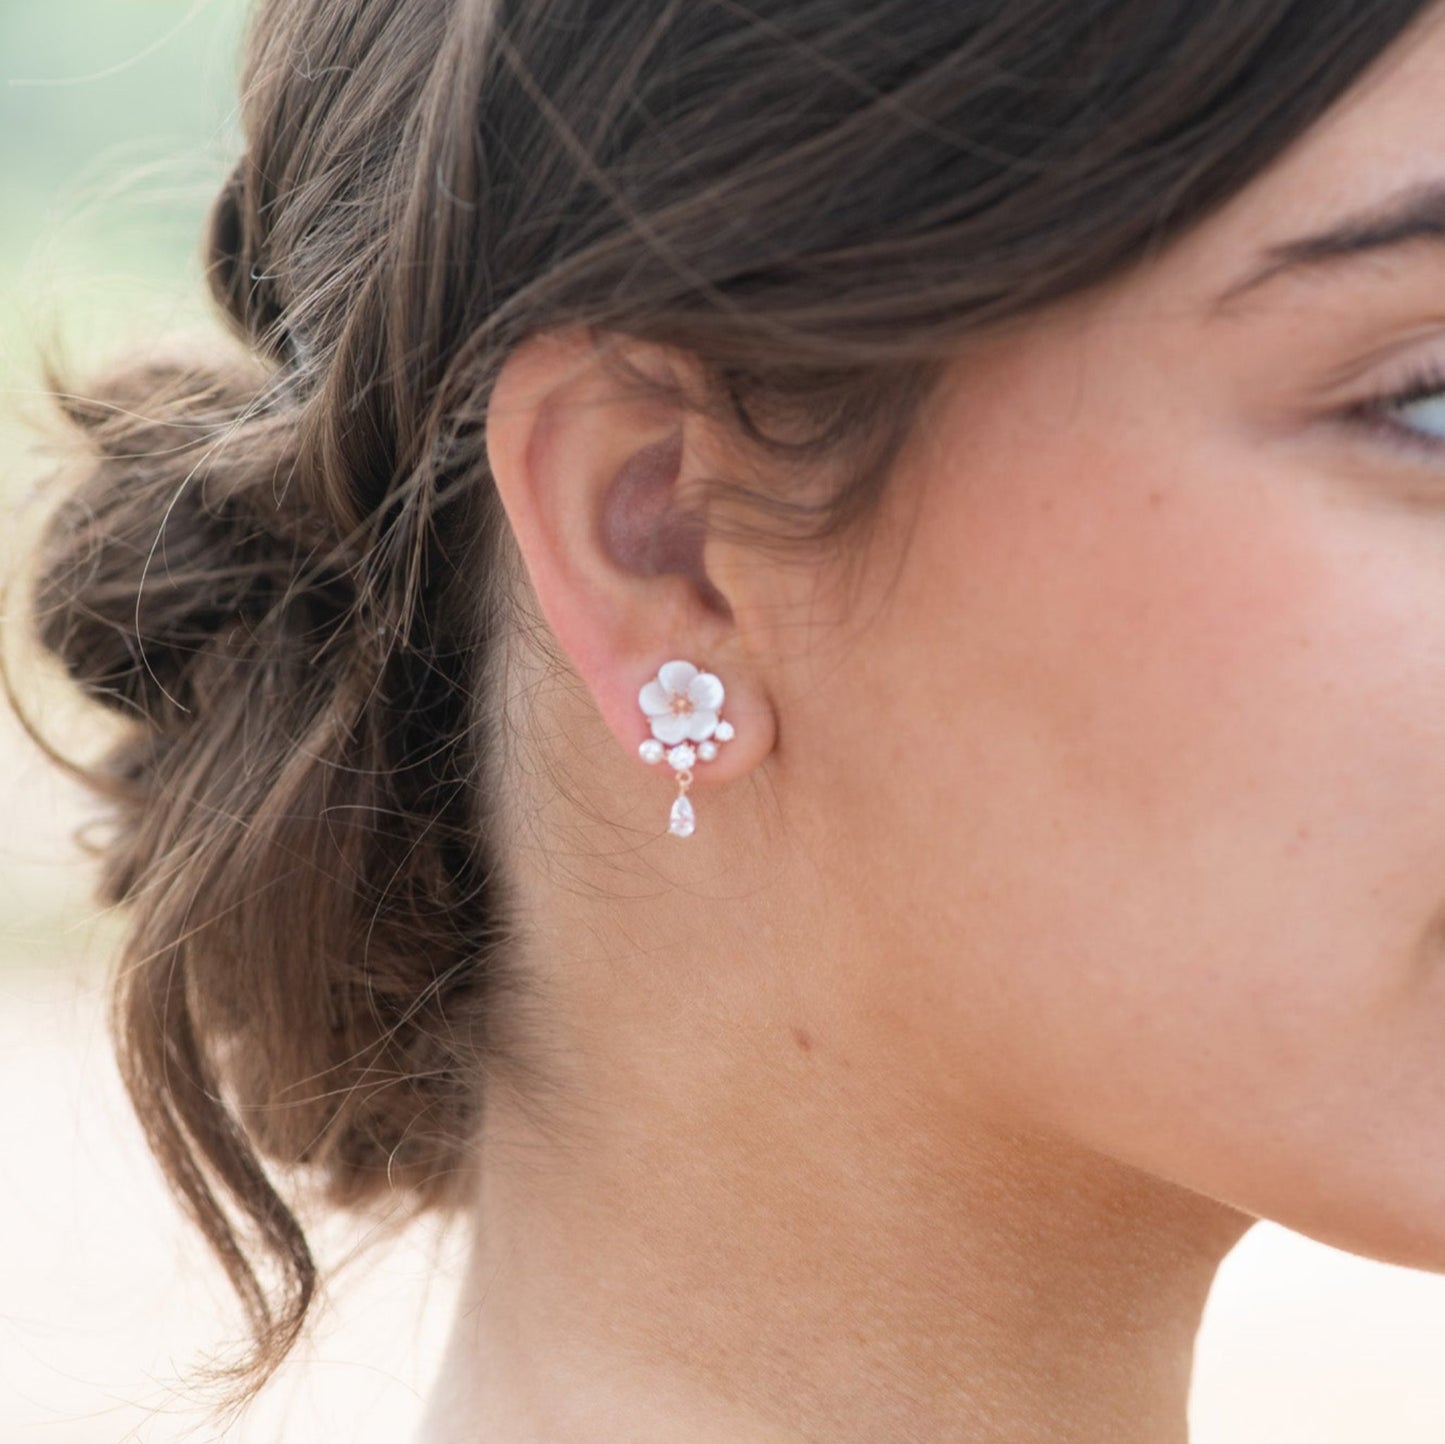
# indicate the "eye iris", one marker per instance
pixel 1427 414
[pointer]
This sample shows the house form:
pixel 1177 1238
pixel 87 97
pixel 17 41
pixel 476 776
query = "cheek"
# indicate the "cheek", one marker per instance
pixel 1166 787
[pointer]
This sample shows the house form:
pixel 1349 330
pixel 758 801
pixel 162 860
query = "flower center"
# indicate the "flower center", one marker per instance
pixel 682 706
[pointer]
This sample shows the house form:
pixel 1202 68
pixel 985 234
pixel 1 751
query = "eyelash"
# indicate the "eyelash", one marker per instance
pixel 1374 412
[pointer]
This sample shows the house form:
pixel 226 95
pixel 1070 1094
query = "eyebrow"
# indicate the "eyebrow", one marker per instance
pixel 1414 214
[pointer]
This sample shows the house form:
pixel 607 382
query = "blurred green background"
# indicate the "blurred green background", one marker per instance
pixel 116 120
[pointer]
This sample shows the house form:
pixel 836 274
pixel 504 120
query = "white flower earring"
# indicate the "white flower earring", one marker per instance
pixel 682 705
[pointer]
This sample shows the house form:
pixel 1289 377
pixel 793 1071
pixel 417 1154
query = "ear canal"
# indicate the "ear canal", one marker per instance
pixel 643 530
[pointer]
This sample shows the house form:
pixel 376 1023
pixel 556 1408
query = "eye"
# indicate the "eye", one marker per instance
pixel 1411 415
pixel 1426 415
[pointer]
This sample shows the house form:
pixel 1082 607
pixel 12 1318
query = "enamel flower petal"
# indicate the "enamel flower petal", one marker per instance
pixel 675 676
pixel 706 692
pixel 670 727
pixel 681 703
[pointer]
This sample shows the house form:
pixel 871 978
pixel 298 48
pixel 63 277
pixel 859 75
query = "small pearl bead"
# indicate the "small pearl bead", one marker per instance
pixel 651 750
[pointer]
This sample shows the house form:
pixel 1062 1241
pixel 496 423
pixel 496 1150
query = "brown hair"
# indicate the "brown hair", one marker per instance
pixel 285 571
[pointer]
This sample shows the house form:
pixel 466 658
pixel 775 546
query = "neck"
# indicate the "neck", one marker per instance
pixel 738 1199
pixel 729 1248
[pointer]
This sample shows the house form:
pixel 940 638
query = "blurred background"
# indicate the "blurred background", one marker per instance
pixel 117 123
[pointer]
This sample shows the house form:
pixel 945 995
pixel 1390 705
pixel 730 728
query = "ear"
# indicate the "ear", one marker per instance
pixel 595 482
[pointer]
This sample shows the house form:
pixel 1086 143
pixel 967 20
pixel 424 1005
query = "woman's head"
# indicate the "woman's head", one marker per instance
pixel 874 356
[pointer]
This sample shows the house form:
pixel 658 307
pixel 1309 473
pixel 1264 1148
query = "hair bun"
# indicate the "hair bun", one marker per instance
pixel 314 928
pixel 178 548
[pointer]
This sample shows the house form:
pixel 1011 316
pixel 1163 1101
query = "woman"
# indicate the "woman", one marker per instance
pixel 800 667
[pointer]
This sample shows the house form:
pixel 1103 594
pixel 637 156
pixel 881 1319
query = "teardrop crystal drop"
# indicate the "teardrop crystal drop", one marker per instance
pixel 682 820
